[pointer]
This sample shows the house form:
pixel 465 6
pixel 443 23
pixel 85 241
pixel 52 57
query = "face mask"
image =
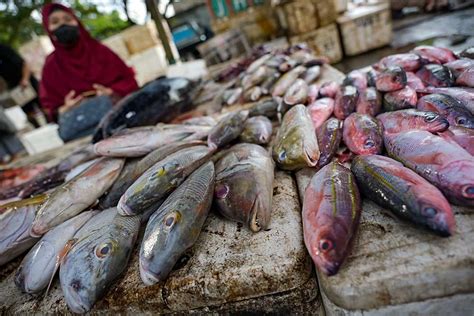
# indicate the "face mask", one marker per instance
pixel 67 35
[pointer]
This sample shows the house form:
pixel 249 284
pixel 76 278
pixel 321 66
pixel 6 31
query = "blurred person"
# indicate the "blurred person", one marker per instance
pixel 79 66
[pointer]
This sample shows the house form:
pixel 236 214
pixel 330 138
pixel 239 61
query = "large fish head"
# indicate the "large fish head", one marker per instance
pixel 427 120
pixel 227 129
pixel 437 215
pixel 89 268
pixel 159 251
pixel 460 181
pixel 328 249
pixel 293 153
pixel 394 77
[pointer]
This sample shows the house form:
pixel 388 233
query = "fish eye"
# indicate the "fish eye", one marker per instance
pixel 282 155
pixel 171 219
pixel 369 143
pixel 468 191
pixel 430 117
pixel 429 211
pixel 461 120
pixel 222 191
pixel 103 250
pixel 325 245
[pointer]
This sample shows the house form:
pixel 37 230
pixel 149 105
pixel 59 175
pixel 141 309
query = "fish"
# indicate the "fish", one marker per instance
pixel 257 130
pixel 176 225
pixel 227 129
pixel 401 99
pixel 406 194
pixel 409 62
pixel 329 139
pixel 465 95
pixel 288 65
pixel 363 134
pixel 448 107
pixel 296 93
pixel 466 78
pixel 357 79
pixel 75 196
pixel 437 55
pixel 135 167
pixel 39 265
pixel 414 82
pixel 268 108
pixel 412 119
pixel 313 91
pixel 232 96
pixel 79 169
pixel 443 163
pixel 96 261
pixel 436 75
pixel 253 94
pixel 464 137
pixel 391 79
pixel 296 145
pixel 258 63
pixel 345 102
pixel 255 78
pixel 320 110
pixel 285 81
pixel 271 78
pixel 467 53
pixel 200 121
pixel 311 74
pixel 329 89
pixel 11 177
pixel 369 102
pixel 160 100
pixel 276 60
pixel 331 215
pixel 161 179
pixel 15 224
pixel 458 66
pixel 244 186
pixel 371 77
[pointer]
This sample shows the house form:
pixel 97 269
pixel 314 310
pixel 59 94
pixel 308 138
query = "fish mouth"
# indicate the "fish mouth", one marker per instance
pixel 75 301
pixel 147 276
pixel 212 146
pixel 37 230
pixel 443 225
pixel 257 223
pixel 123 209
pixel 309 159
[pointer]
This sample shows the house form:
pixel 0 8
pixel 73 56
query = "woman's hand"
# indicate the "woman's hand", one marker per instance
pixel 70 100
pixel 101 90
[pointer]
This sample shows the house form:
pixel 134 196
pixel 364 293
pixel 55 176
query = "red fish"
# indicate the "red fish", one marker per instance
pixel 357 79
pixel 466 78
pixel 401 99
pixel 442 162
pixel 363 134
pixel 464 137
pixel 328 90
pixel 313 91
pixel 391 79
pixel 437 55
pixel 320 111
pixel 331 214
pixel 369 102
pixel 329 138
pixel 449 107
pixel 458 66
pixel 408 62
pixel 465 95
pixel 436 75
pixel 414 82
pixel 412 119
pixel 345 102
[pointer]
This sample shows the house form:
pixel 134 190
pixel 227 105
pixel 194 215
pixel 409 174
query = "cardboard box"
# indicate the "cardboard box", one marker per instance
pixel 364 28
pixel 323 41
pixel 149 64
pixel 326 11
pixel 117 45
pixel 299 17
pixel 340 5
pixel 140 37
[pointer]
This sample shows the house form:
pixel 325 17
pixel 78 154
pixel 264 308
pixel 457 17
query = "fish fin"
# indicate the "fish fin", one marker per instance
pixel 59 259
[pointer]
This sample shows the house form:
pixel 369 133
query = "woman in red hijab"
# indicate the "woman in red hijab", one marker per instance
pixel 79 64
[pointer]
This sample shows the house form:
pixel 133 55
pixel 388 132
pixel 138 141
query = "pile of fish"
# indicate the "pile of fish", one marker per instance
pixel 400 134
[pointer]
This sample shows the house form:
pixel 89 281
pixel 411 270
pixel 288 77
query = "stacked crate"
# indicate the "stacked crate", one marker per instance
pixel 313 22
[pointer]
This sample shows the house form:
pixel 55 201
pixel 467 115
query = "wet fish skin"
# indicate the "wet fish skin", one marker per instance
pixel 38 266
pixel 369 102
pixel 176 225
pixel 285 81
pixel 200 121
pixel 257 130
pixel 76 195
pixel 436 75
pixel 15 223
pixel 345 102
pixel 268 108
pixel 329 139
pixel 363 134
pixel 296 93
pixel 464 95
pixel 134 168
pixel 252 79
pixel 79 169
pixel 311 74
pixel 466 78
pixel 464 137
pixel 227 129
pixel 408 62
pixel 391 185
pixel 96 261
pixel 414 82
pixel 329 89
pixel 371 77
pixel 391 79
pixel 401 99
pixel 161 179
pixel 313 91
pixel 467 53
pixel 244 186
pixel 331 214
pixel 253 94
pixel 437 55
pixel 357 79
pixel 448 107
pixel 232 96
pixel 443 163
pixel 296 145
pixel 269 82
pixel 320 110
pixel 412 119
pixel 255 65
pixel 458 66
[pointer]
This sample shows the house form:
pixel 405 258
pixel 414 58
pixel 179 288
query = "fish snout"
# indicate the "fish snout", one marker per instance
pixel 75 301
pixel 147 276
pixel 123 209
pixel 38 229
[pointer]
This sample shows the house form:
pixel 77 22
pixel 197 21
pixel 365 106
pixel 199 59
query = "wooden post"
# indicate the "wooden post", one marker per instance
pixel 152 7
